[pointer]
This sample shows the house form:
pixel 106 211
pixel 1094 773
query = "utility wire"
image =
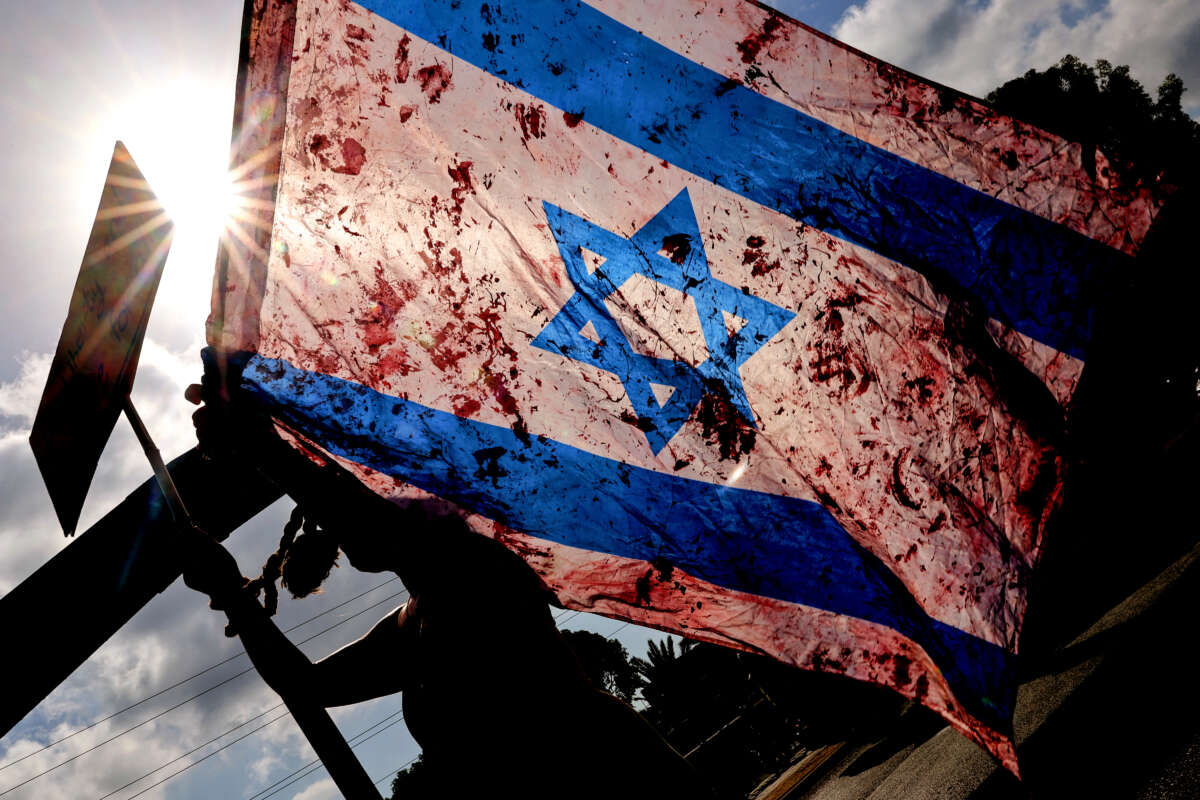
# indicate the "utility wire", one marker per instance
pixel 122 733
pixel 206 757
pixel 230 744
pixel 190 699
pixel 185 680
pixel 270 790
pixel 397 769
pixel 200 747
pixel 315 764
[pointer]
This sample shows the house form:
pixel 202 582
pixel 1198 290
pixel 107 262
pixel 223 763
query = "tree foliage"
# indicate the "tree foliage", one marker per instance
pixel 1146 139
pixel 415 782
pixel 606 663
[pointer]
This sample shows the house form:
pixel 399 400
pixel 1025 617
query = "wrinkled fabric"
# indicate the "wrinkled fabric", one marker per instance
pixel 725 328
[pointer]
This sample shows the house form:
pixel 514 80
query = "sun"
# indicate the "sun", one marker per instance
pixel 178 133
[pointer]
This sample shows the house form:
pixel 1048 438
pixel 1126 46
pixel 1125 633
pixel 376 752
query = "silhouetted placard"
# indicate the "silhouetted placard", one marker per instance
pixel 98 351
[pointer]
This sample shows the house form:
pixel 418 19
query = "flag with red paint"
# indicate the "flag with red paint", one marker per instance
pixel 726 328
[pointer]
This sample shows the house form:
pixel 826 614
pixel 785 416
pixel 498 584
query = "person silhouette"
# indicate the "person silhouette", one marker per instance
pixel 491 691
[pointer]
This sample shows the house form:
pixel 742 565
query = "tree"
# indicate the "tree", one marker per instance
pixel 606 663
pixel 415 782
pixel 1146 139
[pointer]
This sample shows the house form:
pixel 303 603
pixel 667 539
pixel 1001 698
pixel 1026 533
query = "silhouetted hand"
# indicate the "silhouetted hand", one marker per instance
pixel 209 568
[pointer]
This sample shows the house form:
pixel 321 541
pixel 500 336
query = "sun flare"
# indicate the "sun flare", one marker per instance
pixel 178 133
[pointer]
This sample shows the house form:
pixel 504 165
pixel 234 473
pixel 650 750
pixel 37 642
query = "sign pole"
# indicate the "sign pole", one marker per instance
pixel 314 721
pixel 90 379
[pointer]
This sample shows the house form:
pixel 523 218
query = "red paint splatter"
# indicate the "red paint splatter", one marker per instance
pixel 755 42
pixel 724 426
pixel 757 259
pixel 849 300
pixel 394 362
pixel 465 406
pixel 838 359
pixel 532 120
pixel 572 120
pixel 461 175
pixel 441 349
pixel 386 302
pixel 360 34
pixel 921 389
pixel 897 487
pixel 641 423
pixel 317 146
pixel 921 688
pixel 508 404
pixel 406 112
pixel 402 65
pixel 901 666
pixel 434 80
pixel 677 247
pixel 354 155
pixel 495 342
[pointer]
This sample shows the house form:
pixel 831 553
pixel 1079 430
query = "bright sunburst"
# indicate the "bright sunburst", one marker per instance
pixel 178 134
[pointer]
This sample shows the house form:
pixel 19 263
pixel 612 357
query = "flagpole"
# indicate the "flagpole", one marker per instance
pixel 313 720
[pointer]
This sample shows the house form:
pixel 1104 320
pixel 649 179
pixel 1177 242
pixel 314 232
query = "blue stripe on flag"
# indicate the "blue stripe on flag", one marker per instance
pixel 769 545
pixel 1026 270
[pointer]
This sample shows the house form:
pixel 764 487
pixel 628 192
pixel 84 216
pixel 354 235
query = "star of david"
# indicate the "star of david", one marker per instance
pixel 668 250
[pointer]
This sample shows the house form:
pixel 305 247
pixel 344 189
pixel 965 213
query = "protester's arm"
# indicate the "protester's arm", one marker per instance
pixel 370 667
pixel 210 569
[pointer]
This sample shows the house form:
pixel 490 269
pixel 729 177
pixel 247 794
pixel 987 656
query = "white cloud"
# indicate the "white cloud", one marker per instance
pixel 977 46
pixel 19 397
pixel 321 790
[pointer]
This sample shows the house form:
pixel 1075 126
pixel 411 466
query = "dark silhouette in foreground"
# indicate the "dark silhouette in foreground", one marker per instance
pixel 493 694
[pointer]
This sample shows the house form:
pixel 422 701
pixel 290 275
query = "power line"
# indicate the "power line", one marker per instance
pixel 318 766
pixel 48 770
pixel 199 747
pixel 352 616
pixel 190 699
pixel 315 764
pixel 619 628
pixel 193 676
pixel 206 757
pixel 397 769
pixel 235 741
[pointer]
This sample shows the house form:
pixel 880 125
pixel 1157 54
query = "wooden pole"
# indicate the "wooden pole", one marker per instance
pixel 314 721
pixel 69 607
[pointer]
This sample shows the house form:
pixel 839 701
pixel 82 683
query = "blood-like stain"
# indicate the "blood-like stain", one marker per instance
pixel 641 423
pixel 386 301
pixel 677 246
pixel 532 120
pixel 760 263
pixel 465 406
pixel 897 487
pixel 461 175
pixel 402 65
pixel 724 426
pixel 354 155
pixel 488 459
pixel 755 42
pixel 434 80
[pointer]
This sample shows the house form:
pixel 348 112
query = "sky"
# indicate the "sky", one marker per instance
pixel 76 76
